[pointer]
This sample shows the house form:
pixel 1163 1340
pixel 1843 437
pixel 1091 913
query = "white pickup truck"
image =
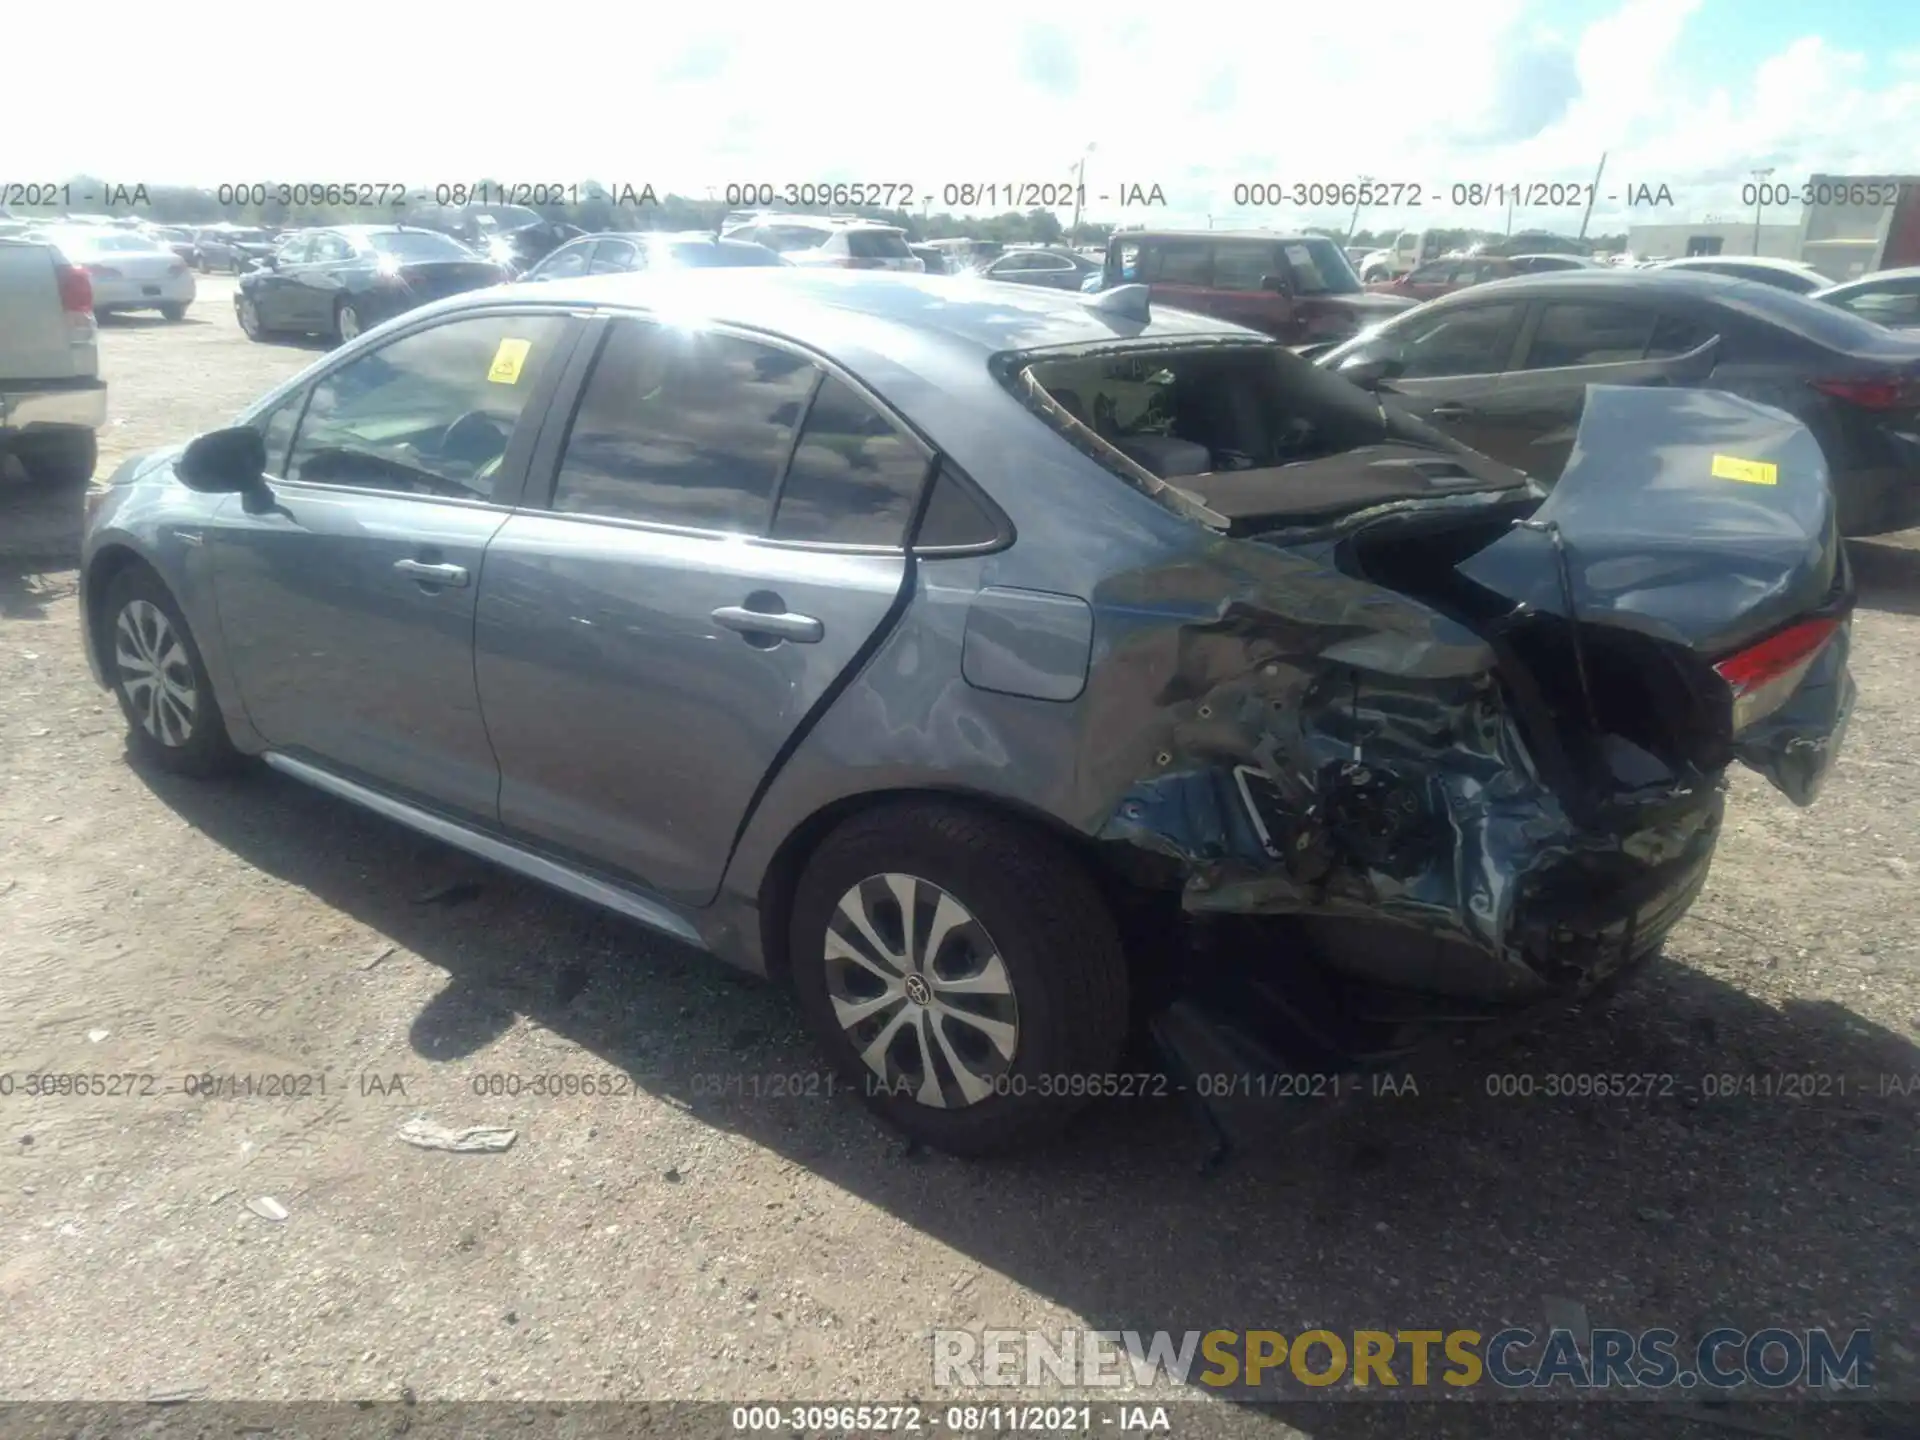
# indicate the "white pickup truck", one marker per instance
pixel 52 399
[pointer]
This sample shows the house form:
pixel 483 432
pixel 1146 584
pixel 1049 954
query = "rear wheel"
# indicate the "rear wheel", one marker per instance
pixel 962 970
pixel 58 457
pixel 347 324
pixel 174 312
pixel 159 678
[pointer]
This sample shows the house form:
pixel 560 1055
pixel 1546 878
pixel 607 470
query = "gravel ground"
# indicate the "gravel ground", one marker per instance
pixel 670 1242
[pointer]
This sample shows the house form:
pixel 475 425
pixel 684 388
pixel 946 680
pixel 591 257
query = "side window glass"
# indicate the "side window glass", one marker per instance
pixel 276 430
pixel 1185 262
pixel 428 414
pixel 613 256
pixel 1589 335
pixel 1674 336
pixel 1463 340
pixel 683 428
pixel 569 260
pixel 1242 267
pixel 855 478
pixel 954 518
pixel 295 251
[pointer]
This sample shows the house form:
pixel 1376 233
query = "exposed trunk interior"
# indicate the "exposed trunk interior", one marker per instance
pixel 1648 715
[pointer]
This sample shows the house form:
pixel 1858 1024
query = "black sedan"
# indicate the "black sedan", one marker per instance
pixel 613 253
pixel 340 281
pixel 1052 268
pixel 1505 367
pixel 233 248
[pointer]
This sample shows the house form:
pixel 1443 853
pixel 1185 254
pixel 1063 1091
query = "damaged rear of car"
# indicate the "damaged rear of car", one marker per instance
pixel 1441 746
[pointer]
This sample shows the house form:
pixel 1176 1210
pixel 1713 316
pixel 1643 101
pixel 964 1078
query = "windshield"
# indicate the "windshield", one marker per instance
pixel 419 245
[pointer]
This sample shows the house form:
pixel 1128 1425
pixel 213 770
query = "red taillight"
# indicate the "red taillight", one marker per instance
pixel 1762 677
pixel 76 291
pixel 103 272
pixel 1894 394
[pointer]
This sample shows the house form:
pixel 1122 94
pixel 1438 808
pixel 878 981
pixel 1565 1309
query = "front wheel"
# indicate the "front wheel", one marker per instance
pixel 249 316
pixel 962 971
pixel 173 312
pixel 159 678
pixel 347 323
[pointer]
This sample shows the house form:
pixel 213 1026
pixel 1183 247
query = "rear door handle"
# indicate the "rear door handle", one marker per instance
pixel 801 629
pixel 430 574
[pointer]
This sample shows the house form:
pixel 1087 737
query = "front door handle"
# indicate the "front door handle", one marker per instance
pixel 801 629
pixel 1451 410
pixel 430 574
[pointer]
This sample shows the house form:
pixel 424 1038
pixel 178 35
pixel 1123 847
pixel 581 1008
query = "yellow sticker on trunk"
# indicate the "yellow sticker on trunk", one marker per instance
pixel 1747 472
pixel 512 355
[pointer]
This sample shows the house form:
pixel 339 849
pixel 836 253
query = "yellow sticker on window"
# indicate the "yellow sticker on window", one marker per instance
pixel 510 357
pixel 1748 472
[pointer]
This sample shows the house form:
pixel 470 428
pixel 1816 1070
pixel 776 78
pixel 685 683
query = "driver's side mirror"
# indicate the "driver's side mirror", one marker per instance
pixel 1275 285
pixel 1374 372
pixel 222 462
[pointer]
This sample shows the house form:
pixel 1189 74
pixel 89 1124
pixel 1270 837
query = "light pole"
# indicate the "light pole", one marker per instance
pixel 1354 224
pixel 1079 188
pixel 1759 190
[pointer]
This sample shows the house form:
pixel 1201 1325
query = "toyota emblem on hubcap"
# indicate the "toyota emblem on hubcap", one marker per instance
pixel 918 991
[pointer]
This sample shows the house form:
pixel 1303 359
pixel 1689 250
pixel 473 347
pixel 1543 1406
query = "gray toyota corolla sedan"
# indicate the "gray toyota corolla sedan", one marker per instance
pixel 1014 673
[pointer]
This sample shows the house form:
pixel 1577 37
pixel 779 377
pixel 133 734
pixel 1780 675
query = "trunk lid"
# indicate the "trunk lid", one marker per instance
pixel 1705 524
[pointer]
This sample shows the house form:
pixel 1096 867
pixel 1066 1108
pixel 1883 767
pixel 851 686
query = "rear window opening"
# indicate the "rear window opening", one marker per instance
pixel 1251 432
pixel 878 245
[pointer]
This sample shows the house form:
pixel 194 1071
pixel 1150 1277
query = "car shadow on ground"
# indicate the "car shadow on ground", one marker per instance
pixel 142 320
pixel 1887 573
pixel 1465 1204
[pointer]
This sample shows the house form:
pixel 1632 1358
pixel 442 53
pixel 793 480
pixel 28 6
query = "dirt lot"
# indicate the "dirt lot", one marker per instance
pixel 674 1243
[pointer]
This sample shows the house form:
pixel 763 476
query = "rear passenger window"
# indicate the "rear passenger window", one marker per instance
pixel 682 428
pixel 1589 334
pixel 855 478
pixel 1243 267
pixel 1673 335
pixel 1182 262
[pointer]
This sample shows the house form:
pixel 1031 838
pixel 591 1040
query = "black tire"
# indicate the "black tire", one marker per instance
pixel 243 307
pixel 173 312
pixel 58 457
pixel 341 309
pixel 100 314
pixel 204 749
pixel 1035 906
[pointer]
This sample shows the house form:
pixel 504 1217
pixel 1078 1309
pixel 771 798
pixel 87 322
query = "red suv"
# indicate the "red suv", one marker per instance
pixel 1300 289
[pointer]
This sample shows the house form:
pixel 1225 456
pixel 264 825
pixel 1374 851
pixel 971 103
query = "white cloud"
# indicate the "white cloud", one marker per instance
pixel 691 99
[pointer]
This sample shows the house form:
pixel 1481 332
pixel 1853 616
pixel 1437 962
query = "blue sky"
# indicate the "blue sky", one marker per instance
pixel 1690 93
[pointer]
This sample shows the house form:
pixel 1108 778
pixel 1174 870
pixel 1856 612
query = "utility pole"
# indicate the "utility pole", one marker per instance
pixel 1593 194
pixel 1079 188
pixel 1353 225
pixel 1759 192
pixel 1510 200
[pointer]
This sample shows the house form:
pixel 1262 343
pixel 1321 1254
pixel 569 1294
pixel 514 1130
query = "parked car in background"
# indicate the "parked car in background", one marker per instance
pixel 178 239
pixel 1505 368
pixel 1052 267
pixel 233 248
pixel 1443 277
pixel 126 270
pixel 833 242
pixel 933 260
pixel 963 254
pixel 1297 288
pixel 933 648
pixel 1788 275
pixel 1891 297
pixel 52 400
pixel 617 252
pixel 1410 250
pixel 342 280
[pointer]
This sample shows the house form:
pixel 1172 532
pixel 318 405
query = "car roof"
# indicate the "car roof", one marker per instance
pixel 1764 262
pixel 1269 235
pixel 1862 282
